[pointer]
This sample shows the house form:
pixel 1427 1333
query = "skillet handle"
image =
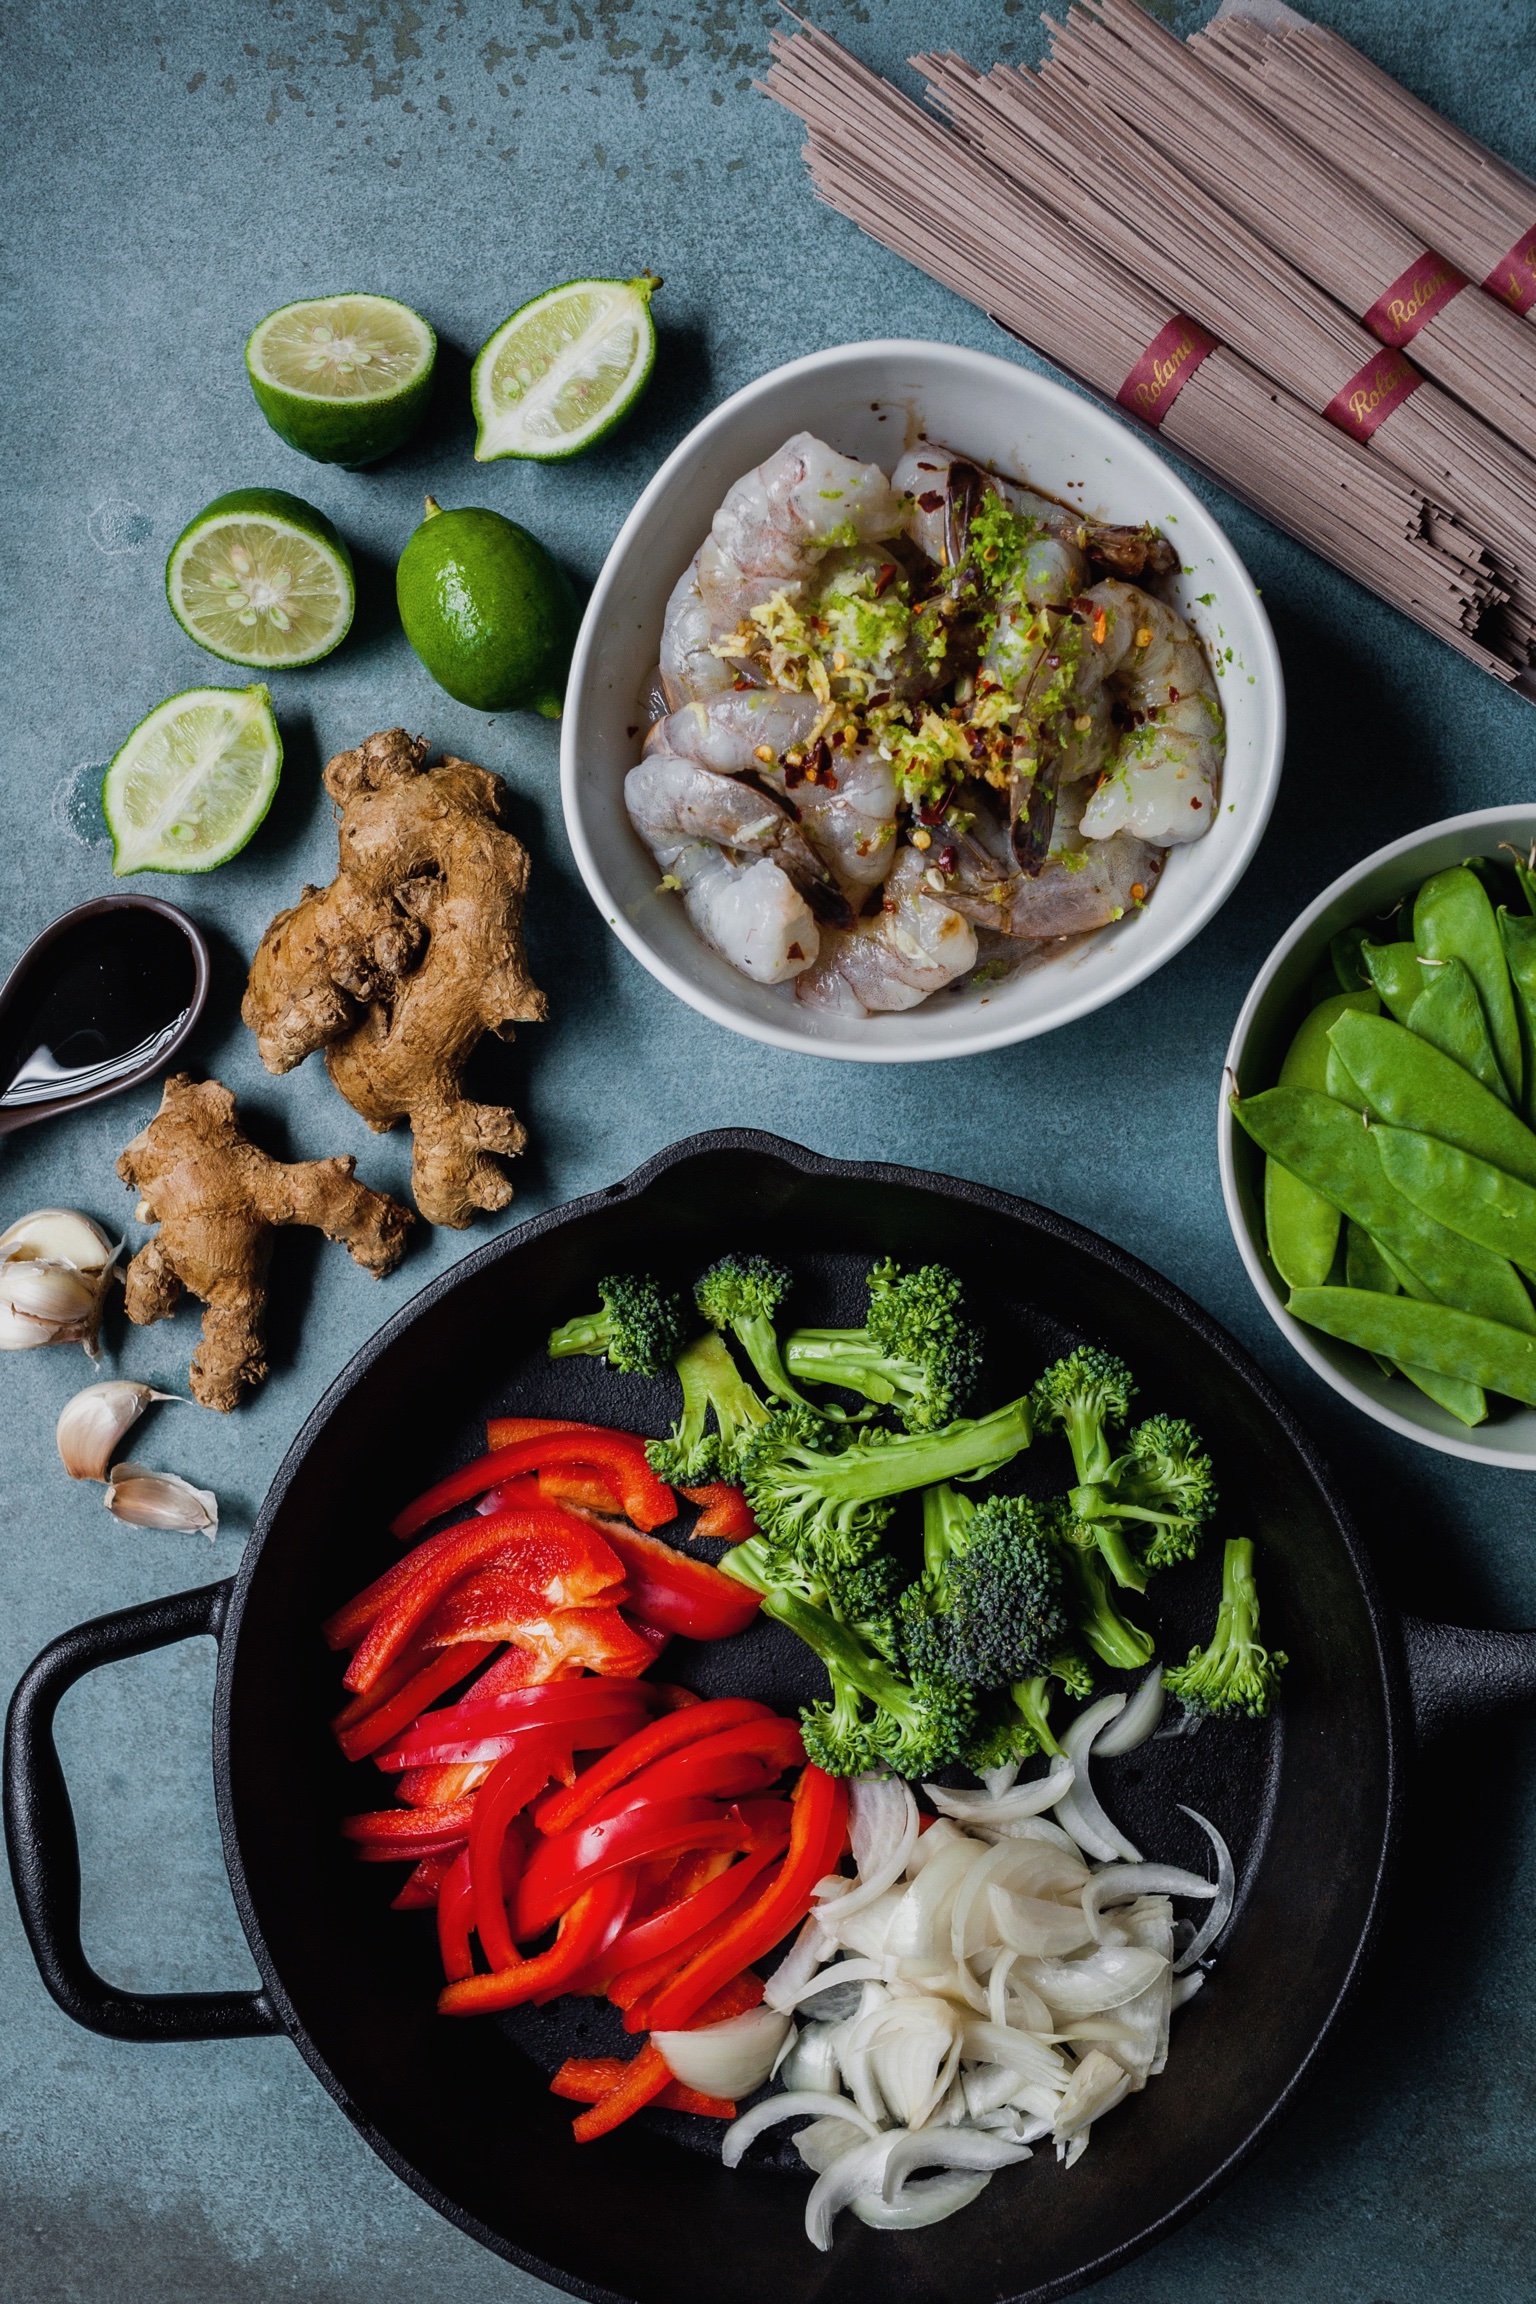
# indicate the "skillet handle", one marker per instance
pixel 45 1854
pixel 1457 1675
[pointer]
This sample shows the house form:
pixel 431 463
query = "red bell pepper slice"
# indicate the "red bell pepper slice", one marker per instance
pixel 641 2085
pixel 615 1456
pixel 471 1733
pixel 566 1554
pixel 583 1490
pixel 636 1989
pixel 709 1765
pixel 421 1890
pixel 438 1787
pixel 583 2079
pixel 374 1725
pixel 818 1826
pixel 652 1635
pixel 455 1918
pixel 506 1431
pixel 562 1809
pixel 558 1870
pixel 346 1627
pixel 592 1922
pixel 388 1835
pixel 506 1792
pixel 670 1930
pixel 677 1594
pixel 725 1513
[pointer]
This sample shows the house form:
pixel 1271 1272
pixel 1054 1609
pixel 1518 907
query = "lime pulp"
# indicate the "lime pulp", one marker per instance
pixel 193 781
pixel 261 578
pixel 343 379
pixel 564 370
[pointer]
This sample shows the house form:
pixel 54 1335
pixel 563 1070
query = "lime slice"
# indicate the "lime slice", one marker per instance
pixel 193 781
pixel 261 578
pixel 343 379
pixel 563 371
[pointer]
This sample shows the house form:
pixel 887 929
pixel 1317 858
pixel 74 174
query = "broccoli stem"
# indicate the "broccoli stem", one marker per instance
pixel 1084 1423
pixel 755 1334
pixel 589 1334
pixel 871 1470
pixel 847 1659
pixel 945 1513
pixel 1235 1673
pixel 846 1356
pixel 1033 1703
pixel 1111 1637
pixel 1088 1505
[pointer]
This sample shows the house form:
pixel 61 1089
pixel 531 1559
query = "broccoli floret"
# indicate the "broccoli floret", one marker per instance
pixel 916 1353
pixel 692 1454
pixel 1083 1394
pixel 743 1293
pixel 987 1610
pixel 1110 1635
pixel 1235 1674
pixel 1167 1482
pixel 1020 1725
pixel 640 1328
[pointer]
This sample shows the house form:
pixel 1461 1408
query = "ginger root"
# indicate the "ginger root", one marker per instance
pixel 217 1201
pixel 398 968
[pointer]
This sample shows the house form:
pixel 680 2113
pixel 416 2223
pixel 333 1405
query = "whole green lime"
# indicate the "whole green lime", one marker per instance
pixel 490 614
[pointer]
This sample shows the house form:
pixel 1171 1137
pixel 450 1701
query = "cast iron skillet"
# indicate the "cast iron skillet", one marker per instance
pixel 461 2110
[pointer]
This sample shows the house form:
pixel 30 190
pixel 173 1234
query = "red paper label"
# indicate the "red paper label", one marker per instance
pixel 1513 278
pixel 1369 398
pixel 1164 369
pixel 1412 301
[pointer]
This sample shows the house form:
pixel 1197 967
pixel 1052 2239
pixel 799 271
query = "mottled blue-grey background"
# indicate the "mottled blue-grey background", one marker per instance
pixel 175 171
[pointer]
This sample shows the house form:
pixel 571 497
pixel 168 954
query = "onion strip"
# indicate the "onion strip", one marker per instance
pixel 1031 1799
pixel 1118 1883
pixel 1226 1894
pixel 1079 1809
pixel 795 2104
pixel 1138 1721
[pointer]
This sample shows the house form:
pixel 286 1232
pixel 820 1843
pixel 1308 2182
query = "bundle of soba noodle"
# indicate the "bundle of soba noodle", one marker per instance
pixel 882 161
pixel 1452 192
pixel 1194 104
pixel 1059 140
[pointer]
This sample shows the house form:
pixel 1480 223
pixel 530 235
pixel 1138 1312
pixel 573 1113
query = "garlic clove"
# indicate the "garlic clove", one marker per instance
pixel 147 1499
pixel 55 1270
pixel 59 1236
pixel 56 1295
pixel 92 1423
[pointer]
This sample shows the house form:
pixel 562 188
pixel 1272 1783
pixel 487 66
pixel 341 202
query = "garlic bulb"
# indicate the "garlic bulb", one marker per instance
pixel 91 1425
pixel 147 1499
pixel 55 1270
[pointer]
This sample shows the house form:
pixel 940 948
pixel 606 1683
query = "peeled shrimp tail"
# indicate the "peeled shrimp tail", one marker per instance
pixel 671 801
pixel 1161 780
pixel 689 669
pixel 916 944
pixel 751 914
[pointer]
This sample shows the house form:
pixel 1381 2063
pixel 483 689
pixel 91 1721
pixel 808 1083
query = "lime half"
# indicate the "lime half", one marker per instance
pixel 193 781
pixel 562 371
pixel 261 578
pixel 343 379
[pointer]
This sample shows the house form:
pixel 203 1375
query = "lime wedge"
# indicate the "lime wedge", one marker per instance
pixel 564 369
pixel 193 781
pixel 261 578
pixel 343 379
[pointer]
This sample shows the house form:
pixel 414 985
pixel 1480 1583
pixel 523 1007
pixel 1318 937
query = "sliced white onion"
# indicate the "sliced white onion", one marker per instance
pixel 809 1951
pixel 946 2148
pixel 919 1926
pixel 860 2169
pixel 1105 1979
pixel 1079 1810
pixel 1185 1987
pixel 1226 1893
pixel 1000 1780
pixel 1095 2088
pixel 884 1822
pixel 1035 2061
pixel 1031 1799
pixel 1117 1883
pixel 825 2141
pixel 842 1972
pixel 928 2200
pixel 728 2059
pixel 794 2104
pixel 1137 1722
pixel 913 2052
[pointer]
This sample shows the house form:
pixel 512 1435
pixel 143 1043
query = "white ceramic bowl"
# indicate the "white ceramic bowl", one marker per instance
pixel 871 401
pixel 1271 1013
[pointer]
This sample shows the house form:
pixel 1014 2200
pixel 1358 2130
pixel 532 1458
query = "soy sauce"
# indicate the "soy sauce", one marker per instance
pixel 106 998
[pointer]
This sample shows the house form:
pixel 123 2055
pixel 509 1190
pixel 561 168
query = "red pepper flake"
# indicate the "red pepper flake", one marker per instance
pixel 1197 803
pixel 930 501
pixel 1173 696
pixel 739 683
pixel 794 773
pixel 885 577
pixel 828 780
pixel 795 952
pixel 947 859
pixel 884 697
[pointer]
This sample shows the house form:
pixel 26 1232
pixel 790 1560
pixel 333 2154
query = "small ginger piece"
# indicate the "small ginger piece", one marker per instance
pixel 405 961
pixel 218 1201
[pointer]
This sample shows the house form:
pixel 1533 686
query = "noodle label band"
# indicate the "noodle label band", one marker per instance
pixel 1164 369
pixel 1513 278
pixel 1413 300
pixel 1375 393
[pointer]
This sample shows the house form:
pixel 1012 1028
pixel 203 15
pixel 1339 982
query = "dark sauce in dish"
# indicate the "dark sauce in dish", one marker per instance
pixel 102 1001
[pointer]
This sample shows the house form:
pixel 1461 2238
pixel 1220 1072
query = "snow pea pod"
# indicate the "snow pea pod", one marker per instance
pixel 1518 932
pixel 1480 1202
pixel 1432 1336
pixel 1396 972
pixel 1302 1228
pixel 1407 1082
pixel 1327 1146
pixel 1454 920
pixel 1368 1266
pixel 1449 1015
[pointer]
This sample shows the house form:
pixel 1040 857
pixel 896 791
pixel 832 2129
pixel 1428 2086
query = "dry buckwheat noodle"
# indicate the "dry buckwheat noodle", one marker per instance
pixel 1106 318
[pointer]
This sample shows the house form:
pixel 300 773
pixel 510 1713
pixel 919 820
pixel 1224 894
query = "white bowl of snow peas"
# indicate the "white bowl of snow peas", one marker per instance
pixel 1378 1136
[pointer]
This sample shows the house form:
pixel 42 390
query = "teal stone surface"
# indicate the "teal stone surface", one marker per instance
pixel 175 171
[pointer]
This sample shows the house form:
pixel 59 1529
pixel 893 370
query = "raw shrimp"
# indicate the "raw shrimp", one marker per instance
pixel 689 667
pixel 751 914
pixel 848 814
pixel 1083 885
pixel 1160 780
pixel 671 801
pixel 778 519
pixel 924 475
pixel 915 945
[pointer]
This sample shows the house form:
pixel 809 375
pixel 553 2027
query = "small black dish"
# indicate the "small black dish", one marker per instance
pixel 104 998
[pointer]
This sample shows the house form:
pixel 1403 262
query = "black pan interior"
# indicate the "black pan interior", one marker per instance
pixel 462 2109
